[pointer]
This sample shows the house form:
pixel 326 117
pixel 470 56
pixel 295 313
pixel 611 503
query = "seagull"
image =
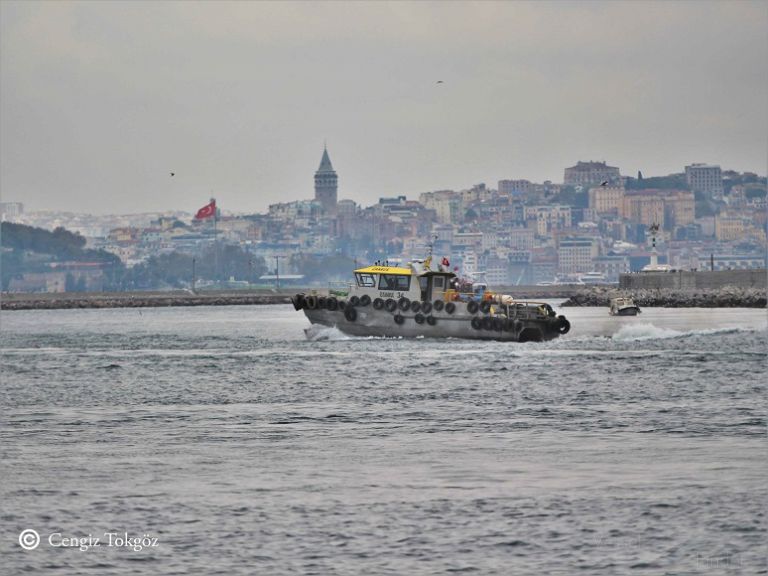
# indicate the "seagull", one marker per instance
pixel 173 173
pixel 604 183
pixel 439 82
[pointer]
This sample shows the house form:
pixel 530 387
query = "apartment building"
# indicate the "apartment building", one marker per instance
pixel 705 178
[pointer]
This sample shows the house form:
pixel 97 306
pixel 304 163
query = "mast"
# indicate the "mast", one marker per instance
pixel 215 242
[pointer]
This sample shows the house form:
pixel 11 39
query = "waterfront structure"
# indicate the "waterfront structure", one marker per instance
pixel 705 178
pixel 576 254
pixel 611 266
pixel 588 173
pixel 326 184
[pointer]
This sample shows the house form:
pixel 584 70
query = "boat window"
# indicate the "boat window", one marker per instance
pixel 438 281
pixel 366 280
pixel 394 282
pixel 423 282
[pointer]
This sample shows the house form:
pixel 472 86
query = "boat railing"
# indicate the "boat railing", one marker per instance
pixel 338 288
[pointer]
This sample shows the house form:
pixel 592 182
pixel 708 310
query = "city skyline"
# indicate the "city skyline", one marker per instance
pixel 101 102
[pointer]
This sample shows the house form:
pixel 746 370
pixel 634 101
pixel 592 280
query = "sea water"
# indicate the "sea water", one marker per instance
pixel 224 440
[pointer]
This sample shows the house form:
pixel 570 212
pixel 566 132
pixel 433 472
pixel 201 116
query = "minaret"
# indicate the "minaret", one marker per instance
pixel 326 184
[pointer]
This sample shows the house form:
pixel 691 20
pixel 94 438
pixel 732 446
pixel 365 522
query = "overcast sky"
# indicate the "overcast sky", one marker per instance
pixel 100 101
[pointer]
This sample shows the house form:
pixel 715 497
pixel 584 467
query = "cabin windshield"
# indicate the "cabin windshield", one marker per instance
pixel 397 282
pixel 366 280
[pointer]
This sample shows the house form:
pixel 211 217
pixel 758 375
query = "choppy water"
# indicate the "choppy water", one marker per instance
pixel 630 446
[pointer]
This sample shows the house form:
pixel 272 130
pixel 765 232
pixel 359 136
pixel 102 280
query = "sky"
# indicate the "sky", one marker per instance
pixel 101 101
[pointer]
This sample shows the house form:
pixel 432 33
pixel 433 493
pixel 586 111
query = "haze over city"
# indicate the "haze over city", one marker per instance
pixel 101 101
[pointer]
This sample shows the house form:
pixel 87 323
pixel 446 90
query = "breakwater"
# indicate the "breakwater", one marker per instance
pixel 727 297
pixel 576 296
pixel 65 300
pixel 695 279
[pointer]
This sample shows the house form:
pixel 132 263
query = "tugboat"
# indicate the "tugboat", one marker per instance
pixel 413 301
pixel 624 306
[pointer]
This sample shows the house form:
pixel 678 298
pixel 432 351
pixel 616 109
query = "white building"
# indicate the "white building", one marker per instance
pixel 705 178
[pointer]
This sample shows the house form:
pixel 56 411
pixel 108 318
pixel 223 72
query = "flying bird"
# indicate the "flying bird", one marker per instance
pixel 604 183
pixel 439 82
pixel 173 173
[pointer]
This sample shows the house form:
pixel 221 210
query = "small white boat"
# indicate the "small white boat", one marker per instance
pixel 624 306
pixel 593 278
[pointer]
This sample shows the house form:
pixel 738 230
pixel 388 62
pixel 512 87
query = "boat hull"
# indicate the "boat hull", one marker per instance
pixel 630 311
pixel 371 322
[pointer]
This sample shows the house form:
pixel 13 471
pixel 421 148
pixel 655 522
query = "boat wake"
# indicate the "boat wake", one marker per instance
pixel 318 333
pixel 650 332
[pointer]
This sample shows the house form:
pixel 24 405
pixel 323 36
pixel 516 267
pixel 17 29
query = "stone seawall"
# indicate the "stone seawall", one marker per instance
pixel 16 301
pixel 729 297
pixel 688 280
pixel 138 299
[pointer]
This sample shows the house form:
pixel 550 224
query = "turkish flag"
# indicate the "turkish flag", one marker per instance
pixel 206 211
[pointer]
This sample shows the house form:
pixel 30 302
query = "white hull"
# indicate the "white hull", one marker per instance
pixel 628 311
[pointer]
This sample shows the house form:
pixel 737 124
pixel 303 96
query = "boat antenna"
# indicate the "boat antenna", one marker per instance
pixel 428 261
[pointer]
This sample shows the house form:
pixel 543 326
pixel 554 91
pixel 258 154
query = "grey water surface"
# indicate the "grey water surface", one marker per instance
pixel 243 446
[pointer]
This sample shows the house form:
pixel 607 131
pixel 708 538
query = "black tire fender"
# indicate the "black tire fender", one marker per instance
pixel 426 307
pixel 438 305
pixel 404 303
pixel 477 323
pixel 390 305
pixel 415 306
pixel 378 304
pixel 350 313
pixel 450 308
pixel 472 307
pixel 365 300
pixel 431 320
pixel 399 319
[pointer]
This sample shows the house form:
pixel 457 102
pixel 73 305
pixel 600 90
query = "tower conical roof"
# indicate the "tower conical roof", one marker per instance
pixel 325 163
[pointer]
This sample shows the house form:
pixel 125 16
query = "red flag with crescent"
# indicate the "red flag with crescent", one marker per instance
pixel 206 211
